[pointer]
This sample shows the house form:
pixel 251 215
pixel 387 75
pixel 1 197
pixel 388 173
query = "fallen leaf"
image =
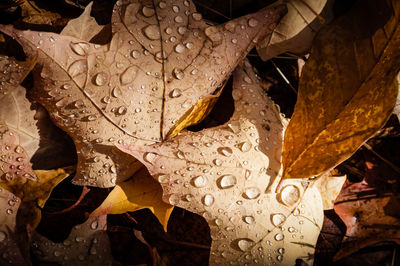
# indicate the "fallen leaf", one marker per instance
pixel 297 29
pixel 10 253
pixel 84 27
pixel 347 89
pixel 14 161
pixel 396 109
pixel 228 174
pixel 138 193
pixel 370 210
pixel 329 186
pixel 32 14
pixel 34 194
pixel 87 244
pixel 137 87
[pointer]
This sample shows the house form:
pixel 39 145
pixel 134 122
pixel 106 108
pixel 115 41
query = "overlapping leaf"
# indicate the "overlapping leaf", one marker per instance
pixel 87 244
pixel 347 90
pixel 138 193
pixel 297 29
pixel 228 174
pixel 161 60
pixel 10 254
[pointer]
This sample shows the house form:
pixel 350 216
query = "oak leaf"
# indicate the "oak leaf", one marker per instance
pixel 138 193
pixel 9 250
pixel 347 89
pixel 228 174
pixel 161 60
pixel 87 244
pixel 297 29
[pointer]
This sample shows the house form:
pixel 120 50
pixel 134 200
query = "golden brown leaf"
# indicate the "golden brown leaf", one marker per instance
pixel 347 90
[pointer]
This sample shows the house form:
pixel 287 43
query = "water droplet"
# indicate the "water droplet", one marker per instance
pixel 248 219
pixel 234 126
pixel 162 4
pixel 178 73
pixel 163 179
pixel 9 211
pixel 226 151
pixel 291 229
pixel 252 193
pixel 147 11
pixel 179 48
pixel 77 67
pixel 116 92
pixel 66 86
pixel 62 102
pixel 175 93
pixel 19 149
pixel 180 155
pixel 79 104
pixel 106 99
pixel 234 41
pixel 227 181
pixel 281 250
pixel 279 257
pixel 279 237
pixel 181 30
pixel 189 197
pixel 3 236
pixel 245 244
pixel 80 48
pixel 197 16
pixel 208 200
pixel 178 19
pixel 173 199
pixel 149 157
pixel 152 32
pixel 135 54
pixel 100 79
pixel 289 195
pixel 138 110
pixel 199 181
pixel 94 225
pixel 57 253
pixel 217 162
pixel 278 219
pixel 128 75
pixel 253 22
pixel 245 146
pixel 175 9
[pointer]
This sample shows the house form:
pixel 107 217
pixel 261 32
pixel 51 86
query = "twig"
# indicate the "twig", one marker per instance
pixel 320 18
pixel 284 77
pixel 85 190
pixel 131 218
pixel 394 167
pixel 212 10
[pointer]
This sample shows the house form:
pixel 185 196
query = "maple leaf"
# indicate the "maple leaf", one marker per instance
pixel 45 145
pixel 161 60
pixel 87 244
pixel 347 89
pixel 10 253
pixel 297 29
pixel 370 212
pixel 228 174
pixel 138 193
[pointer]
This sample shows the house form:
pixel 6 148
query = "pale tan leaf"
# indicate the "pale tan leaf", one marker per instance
pixel 297 29
pixel 163 58
pixel 347 90
pixel 329 186
pixel 228 174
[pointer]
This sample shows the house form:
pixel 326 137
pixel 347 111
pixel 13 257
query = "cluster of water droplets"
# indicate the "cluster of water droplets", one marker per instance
pixel 87 244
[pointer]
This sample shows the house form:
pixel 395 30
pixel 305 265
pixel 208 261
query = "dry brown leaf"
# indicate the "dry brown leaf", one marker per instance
pixel 228 174
pixel 297 29
pixel 87 244
pixel 161 60
pixel 33 14
pixel 10 253
pixel 347 90
pixel 138 193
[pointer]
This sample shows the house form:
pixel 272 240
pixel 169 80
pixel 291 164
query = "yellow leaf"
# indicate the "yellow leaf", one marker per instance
pixel 33 194
pixel 347 90
pixel 141 192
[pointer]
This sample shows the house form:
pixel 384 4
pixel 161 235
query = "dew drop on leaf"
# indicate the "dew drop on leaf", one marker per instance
pixel 252 192
pixel 245 146
pixel 79 48
pixel 152 32
pixel 128 75
pixel 289 195
pixel 227 181
pixel 175 93
pixel 208 200
pixel 100 79
pixel 199 181
pixel 173 199
pixel 234 126
pixel 245 244
pixel 149 157
pixel 248 219
pixel 279 237
pixel 253 22
pixel 147 11
pixel 226 151
pixel 277 219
